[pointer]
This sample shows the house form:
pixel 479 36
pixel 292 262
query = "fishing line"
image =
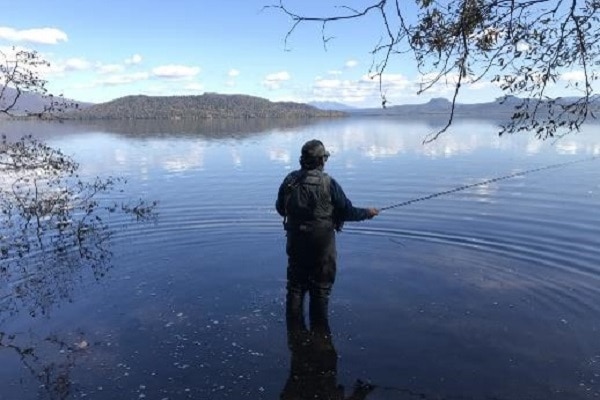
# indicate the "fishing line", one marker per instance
pixel 488 181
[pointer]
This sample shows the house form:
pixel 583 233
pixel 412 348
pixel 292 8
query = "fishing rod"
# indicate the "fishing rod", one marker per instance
pixel 488 181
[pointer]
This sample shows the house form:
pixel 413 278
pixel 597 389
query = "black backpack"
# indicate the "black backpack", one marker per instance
pixel 307 200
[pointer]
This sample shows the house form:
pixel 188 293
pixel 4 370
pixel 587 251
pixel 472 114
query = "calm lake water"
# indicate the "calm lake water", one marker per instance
pixel 487 293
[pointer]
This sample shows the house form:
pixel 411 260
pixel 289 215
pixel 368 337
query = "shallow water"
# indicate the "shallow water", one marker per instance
pixel 487 293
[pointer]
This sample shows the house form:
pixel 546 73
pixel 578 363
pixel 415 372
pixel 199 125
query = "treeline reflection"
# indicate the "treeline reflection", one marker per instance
pixel 208 128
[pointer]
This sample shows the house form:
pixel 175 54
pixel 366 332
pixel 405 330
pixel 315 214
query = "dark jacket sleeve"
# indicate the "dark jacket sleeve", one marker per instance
pixel 343 208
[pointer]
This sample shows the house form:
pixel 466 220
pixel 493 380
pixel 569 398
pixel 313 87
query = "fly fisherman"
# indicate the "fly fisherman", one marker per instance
pixel 313 206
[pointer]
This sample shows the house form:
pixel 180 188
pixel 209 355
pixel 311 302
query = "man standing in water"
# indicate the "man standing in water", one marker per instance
pixel 313 206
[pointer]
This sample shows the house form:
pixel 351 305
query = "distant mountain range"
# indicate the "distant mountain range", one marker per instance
pixel 34 103
pixel 214 105
pixel 503 108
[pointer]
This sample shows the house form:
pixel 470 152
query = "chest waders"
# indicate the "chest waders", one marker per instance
pixel 310 248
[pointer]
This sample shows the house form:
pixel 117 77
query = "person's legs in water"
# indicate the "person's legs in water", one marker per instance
pixel 294 308
pixel 299 265
pixel 311 268
pixel 319 309
pixel 321 281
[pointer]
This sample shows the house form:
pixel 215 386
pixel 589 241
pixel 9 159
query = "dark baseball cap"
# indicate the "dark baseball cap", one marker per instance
pixel 314 149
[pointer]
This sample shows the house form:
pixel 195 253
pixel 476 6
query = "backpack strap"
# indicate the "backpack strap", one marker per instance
pixel 327 185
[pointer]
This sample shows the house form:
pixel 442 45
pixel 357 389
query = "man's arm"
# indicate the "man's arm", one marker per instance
pixel 343 207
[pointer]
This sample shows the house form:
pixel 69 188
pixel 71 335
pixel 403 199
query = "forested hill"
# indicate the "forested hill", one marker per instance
pixel 209 105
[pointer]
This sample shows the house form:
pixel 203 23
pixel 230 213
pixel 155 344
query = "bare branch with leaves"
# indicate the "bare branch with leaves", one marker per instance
pixel 523 47
pixel 21 75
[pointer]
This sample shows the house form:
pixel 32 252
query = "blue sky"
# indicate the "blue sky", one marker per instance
pixel 101 50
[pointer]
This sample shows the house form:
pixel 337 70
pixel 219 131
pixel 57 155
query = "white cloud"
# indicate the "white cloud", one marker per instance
pixel 118 68
pixel 480 85
pixel 109 68
pixel 37 35
pixel 446 85
pixel 60 67
pixel 397 81
pixel 328 83
pixel 361 90
pixel 577 76
pixel 77 64
pixel 84 86
pixel 334 72
pixel 274 81
pixel 351 63
pixel 194 87
pixel 175 71
pixel 345 91
pixel 428 79
pixel 134 59
pixel 123 79
pixel 232 74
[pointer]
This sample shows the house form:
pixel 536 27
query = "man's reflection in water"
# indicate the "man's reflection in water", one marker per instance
pixel 313 369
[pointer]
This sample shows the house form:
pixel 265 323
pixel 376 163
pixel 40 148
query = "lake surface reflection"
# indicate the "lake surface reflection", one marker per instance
pixel 488 293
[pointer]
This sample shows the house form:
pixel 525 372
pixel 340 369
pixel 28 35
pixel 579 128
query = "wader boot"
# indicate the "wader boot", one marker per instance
pixel 294 309
pixel 318 311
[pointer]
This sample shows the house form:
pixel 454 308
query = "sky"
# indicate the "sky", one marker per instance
pixel 102 50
